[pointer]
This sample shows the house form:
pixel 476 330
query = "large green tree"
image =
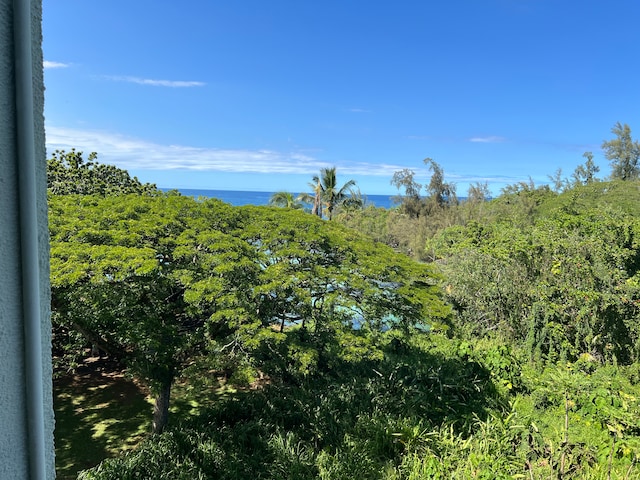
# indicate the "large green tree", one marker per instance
pixel 326 290
pixel 160 281
pixel 70 173
pixel 146 279
pixel 623 153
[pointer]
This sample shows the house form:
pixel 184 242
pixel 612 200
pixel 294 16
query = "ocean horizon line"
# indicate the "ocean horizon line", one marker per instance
pixel 260 198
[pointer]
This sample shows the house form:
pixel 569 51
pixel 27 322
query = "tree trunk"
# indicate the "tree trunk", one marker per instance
pixel 161 408
pixel 317 206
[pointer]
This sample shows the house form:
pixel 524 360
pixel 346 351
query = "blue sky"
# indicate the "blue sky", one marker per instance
pixel 259 95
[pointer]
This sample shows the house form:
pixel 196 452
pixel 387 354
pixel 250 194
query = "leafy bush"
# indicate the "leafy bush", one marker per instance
pixel 563 286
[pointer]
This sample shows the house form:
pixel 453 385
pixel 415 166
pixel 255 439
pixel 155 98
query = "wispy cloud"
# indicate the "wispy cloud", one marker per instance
pixel 136 154
pixel 358 110
pixel 156 83
pixel 491 139
pixel 48 64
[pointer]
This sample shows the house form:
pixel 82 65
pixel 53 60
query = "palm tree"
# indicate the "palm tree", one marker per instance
pixel 355 201
pixel 314 199
pixel 285 200
pixel 317 197
pixel 326 191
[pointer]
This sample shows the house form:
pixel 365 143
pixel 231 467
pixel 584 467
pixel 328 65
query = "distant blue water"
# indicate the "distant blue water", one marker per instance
pixel 239 198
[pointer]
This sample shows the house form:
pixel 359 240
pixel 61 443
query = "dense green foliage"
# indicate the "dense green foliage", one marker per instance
pixel 510 351
pixel 360 419
pixel 158 281
pixel 565 283
pixel 555 272
pixel 533 386
pixel 69 173
pixel 431 408
pixel 118 277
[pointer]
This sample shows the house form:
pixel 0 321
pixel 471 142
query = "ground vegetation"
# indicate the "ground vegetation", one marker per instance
pixel 507 347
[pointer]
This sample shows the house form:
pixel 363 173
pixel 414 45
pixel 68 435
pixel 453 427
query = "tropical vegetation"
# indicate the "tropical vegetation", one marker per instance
pixel 70 172
pixel 327 196
pixel 485 338
pixel 285 199
pixel 200 278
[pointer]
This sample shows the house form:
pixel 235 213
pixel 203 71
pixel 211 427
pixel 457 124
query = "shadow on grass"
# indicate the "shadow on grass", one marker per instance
pixel 99 413
pixel 192 396
pixel 354 420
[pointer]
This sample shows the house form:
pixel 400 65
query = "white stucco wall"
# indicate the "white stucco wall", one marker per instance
pixel 14 454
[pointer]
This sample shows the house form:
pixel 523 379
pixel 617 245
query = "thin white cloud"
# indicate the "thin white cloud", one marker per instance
pixel 48 64
pixel 491 139
pixel 156 83
pixel 136 154
pixel 359 110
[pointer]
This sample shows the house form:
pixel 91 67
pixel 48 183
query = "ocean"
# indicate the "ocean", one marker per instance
pixel 238 198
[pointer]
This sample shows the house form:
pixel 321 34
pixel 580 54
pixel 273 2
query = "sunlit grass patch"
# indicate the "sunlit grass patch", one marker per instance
pixel 101 413
pixel 98 415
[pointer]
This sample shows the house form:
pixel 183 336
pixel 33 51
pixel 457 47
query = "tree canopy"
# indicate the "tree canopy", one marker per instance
pixel 623 153
pixel 563 282
pixel 69 173
pixel 440 194
pixel 127 271
pixel 157 281
pixel 537 292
